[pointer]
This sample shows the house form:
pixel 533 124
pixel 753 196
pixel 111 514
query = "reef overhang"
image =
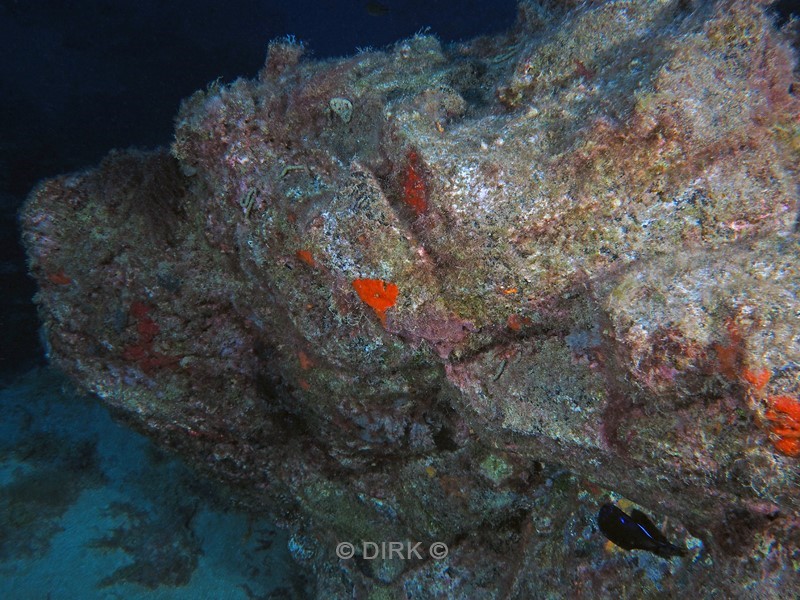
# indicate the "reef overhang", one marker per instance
pixel 378 294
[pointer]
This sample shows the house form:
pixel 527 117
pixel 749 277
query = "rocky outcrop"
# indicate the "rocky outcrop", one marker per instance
pixel 456 294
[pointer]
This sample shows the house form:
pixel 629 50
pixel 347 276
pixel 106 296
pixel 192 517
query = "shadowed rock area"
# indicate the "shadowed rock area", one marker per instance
pixel 468 294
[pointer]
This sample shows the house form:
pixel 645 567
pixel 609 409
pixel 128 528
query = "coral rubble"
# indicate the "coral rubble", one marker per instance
pixel 395 296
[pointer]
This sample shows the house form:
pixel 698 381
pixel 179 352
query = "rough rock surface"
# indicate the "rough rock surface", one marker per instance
pixel 456 294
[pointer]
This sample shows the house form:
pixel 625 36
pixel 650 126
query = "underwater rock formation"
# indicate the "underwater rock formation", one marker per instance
pixel 454 294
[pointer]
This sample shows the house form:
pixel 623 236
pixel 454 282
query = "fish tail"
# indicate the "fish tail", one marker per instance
pixel 669 550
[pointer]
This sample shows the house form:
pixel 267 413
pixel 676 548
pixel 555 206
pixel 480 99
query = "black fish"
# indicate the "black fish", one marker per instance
pixel 634 532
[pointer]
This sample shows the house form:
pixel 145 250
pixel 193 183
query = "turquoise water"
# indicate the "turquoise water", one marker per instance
pixel 89 509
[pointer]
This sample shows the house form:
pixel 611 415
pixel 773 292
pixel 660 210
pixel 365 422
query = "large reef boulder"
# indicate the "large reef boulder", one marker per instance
pixel 457 293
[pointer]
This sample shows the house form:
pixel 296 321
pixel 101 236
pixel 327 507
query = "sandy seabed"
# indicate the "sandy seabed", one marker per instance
pixel 89 509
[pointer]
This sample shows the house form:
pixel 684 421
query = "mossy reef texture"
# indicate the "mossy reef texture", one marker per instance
pixel 461 294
